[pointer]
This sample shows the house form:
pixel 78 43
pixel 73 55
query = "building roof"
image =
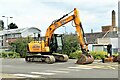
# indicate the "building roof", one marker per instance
pixel 92 37
pixel 18 30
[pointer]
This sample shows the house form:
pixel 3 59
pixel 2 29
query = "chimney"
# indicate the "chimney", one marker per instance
pixel 91 30
pixel 113 19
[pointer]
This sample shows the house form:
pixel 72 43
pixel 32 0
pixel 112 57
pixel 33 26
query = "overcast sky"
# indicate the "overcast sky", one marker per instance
pixel 41 13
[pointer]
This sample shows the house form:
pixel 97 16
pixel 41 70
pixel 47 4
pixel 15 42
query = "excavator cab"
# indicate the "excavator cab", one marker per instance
pixel 56 48
pixel 56 43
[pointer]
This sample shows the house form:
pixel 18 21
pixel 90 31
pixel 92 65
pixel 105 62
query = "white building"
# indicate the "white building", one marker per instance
pixel 12 34
pixel 103 42
pixel 109 35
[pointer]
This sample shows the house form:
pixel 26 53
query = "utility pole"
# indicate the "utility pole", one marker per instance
pixel 7 20
pixel 7 17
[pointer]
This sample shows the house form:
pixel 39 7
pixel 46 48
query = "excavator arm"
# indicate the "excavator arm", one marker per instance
pixel 80 32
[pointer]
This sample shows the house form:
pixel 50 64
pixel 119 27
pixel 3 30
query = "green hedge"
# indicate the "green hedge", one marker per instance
pixel 115 54
pixel 95 54
pixel 9 55
pixel 98 54
pixel 75 55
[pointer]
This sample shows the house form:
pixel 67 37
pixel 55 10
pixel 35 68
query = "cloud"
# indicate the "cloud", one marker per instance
pixel 40 13
pixel 27 14
pixel 93 13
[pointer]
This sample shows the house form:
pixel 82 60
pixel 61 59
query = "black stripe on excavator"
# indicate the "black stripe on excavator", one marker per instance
pixel 62 17
pixel 83 33
pixel 82 29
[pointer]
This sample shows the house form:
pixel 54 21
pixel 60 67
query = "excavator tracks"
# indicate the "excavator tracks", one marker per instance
pixel 47 58
pixel 40 58
pixel 60 57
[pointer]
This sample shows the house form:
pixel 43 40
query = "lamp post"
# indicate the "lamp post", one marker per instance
pixel 7 17
pixel 65 29
pixel 7 20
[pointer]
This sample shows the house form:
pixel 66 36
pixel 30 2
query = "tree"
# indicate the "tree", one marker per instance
pixel 20 45
pixel 12 26
pixel 71 44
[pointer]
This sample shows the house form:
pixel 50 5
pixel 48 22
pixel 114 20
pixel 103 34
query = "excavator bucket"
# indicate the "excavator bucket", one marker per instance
pixel 85 59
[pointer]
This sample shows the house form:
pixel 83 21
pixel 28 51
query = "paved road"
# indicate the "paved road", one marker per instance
pixel 18 68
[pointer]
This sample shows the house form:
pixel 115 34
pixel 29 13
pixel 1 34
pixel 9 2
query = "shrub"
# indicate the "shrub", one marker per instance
pixel 115 54
pixel 75 55
pixel 98 54
pixel 9 55
pixel 20 46
pixel 95 54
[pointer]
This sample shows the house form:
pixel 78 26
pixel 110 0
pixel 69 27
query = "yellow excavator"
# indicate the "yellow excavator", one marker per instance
pixel 44 49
